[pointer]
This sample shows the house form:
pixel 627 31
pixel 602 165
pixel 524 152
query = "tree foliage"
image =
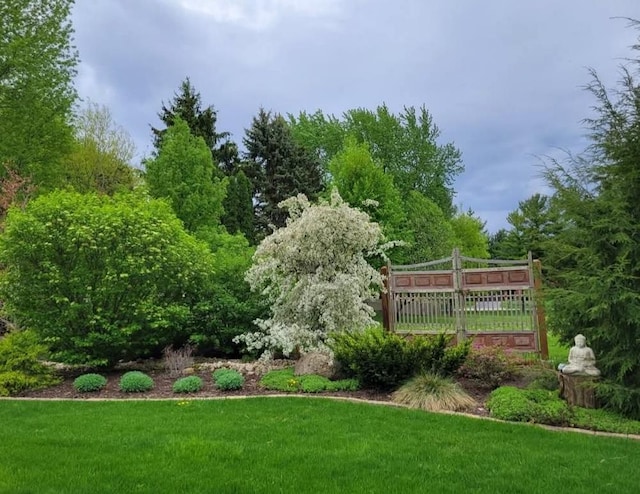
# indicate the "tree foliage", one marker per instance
pixel 37 66
pixel 469 235
pixel 363 184
pixel 596 254
pixel 315 275
pixel 405 145
pixel 533 224
pixel 238 206
pixel 183 172
pixel 278 167
pixel 102 154
pixel 187 106
pixel 102 278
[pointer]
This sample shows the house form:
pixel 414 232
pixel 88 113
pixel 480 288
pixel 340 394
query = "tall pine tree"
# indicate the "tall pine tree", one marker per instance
pixel 596 256
pixel 278 167
pixel 187 105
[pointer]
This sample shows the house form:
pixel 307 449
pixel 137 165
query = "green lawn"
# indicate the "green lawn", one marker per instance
pixel 293 445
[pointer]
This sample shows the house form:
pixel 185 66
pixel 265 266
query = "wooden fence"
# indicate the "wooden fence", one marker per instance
pixel 497 302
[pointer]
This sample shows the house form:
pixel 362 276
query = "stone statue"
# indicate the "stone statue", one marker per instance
pixel 582 361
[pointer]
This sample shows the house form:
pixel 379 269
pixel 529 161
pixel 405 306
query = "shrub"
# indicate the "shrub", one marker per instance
pixel 528 405
pixel 88 383
pixel 620 399
pixel 599 419
pixel 488 367
pixel 102 278
pixel 135 382
pixel 433 393
pixel 228 379
pixel 20 365
pixel 382 360
pixel 545 378
pixel 190 384
pixel 177 360
pixel 312 383
pixel 285 380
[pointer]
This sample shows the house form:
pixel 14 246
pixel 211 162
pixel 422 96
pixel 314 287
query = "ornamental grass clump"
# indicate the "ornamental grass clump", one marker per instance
pixel 190 384
pixel 89 383
pixel 135 382
pixel 433 393
pixel 228 379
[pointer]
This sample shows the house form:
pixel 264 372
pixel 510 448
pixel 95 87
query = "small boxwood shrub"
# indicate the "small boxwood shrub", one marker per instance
pixel 382 360
pixel 89 383
pixel 135 382
pixel 189 384
pixel 529 405
pixel 228 379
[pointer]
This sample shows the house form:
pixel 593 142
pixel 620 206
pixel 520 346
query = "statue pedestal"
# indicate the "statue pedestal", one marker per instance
pixel 578 390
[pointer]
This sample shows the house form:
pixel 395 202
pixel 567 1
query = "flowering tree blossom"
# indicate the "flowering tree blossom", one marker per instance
pixel 315 274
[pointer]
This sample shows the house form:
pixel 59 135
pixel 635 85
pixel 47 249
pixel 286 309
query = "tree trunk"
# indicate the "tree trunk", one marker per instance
pixel 578 390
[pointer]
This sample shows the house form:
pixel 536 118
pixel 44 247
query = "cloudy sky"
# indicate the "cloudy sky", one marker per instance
pixel 503 79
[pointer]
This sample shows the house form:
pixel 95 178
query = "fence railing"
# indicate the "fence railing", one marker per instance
pixel 497 301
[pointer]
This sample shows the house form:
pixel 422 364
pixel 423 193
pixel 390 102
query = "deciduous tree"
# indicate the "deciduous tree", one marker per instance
pixel 37 66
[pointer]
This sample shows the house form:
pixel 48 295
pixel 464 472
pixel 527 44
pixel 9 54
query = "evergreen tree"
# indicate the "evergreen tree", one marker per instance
pixel 596 255
pixel 187 105
pixel 278 167
pixel 238 206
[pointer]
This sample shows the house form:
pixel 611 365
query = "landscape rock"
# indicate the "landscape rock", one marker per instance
pixel 318 363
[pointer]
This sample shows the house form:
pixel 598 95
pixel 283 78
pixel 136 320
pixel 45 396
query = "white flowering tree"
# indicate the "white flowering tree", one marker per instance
pixel 315 274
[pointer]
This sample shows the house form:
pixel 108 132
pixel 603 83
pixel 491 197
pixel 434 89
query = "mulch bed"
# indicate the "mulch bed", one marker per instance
pixel 163 384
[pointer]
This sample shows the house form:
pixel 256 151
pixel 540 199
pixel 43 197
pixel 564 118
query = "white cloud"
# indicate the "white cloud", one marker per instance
pixel 260 15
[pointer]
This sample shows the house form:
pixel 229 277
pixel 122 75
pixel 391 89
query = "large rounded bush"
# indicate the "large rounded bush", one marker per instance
pixel 102 278
pixel 189 384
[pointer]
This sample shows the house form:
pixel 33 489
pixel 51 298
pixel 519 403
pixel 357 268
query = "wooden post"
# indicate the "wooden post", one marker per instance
pixel 384 299
pixel 540 315
pixel 458 297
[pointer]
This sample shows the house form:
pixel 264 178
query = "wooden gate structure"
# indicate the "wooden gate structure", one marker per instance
pixel 496 302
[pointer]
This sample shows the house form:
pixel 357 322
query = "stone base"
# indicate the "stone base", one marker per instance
pixel 578 390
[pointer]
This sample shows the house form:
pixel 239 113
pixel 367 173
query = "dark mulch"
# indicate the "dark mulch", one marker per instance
pixel 163 383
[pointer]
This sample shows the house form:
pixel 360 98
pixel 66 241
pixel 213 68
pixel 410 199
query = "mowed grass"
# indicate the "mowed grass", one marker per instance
pixel 293 445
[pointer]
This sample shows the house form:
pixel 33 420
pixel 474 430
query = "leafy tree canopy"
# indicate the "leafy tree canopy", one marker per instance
pixel 37 66
pixel 183 172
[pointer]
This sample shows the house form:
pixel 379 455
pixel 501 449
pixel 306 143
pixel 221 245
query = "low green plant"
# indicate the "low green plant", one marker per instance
pixel 488 367
pixel 228 379
pixel 285 380
pixel 21 368
pixel 382 360
pixel 344 385
pixel 189 384
pixel 313 383
pixel 88 383
pixel 529 405
pixel 599 419
pixel 433 393
pixel 135 382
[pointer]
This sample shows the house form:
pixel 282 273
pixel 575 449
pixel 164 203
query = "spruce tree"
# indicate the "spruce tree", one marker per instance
pixel 187 105
pixel 596 256
pixel 278 167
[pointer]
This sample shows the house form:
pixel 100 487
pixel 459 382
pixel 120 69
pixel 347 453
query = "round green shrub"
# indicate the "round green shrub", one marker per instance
pixel 190 384
pixel 88 383
pixel 229 381
pixel 135 382
pixel 221 372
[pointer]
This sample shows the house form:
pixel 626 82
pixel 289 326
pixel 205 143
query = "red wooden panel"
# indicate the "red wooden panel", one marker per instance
pixel 402 281
pixel 496 278
pixel 443 280
pixel 422 280
pixel 473 278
